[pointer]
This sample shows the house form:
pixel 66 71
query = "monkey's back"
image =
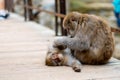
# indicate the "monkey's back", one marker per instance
pixel 97 54
pixel 101 47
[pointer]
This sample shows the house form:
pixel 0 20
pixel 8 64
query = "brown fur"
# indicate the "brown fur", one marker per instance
pixel 92 38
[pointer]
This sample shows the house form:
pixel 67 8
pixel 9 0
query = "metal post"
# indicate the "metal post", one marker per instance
pixel 30 10
pixel 25 10
pixel 56 18
pixel 63 11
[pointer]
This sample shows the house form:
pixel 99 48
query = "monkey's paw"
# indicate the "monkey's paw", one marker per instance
pixel 59 42
pixel 77 66
pixel 77 69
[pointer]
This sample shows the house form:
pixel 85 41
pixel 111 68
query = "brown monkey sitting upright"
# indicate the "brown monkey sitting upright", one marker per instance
pixel 61 56
pixel 91 38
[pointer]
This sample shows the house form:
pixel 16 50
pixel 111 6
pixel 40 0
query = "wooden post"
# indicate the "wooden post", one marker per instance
pixel 9 5
pixel 63 11
pixel 56 18
pixel 30 10
pixel 25 10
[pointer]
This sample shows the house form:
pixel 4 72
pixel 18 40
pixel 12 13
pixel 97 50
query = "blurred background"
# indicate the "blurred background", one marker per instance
pixel 102 8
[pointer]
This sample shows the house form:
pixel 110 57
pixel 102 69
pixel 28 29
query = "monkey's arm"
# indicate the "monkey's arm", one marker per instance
pixel 72 62
pixel 72 43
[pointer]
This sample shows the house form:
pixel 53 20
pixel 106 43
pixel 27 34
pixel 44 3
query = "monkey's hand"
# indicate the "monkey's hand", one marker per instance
pixel 76 68
pixel 76 65
pixel 59 43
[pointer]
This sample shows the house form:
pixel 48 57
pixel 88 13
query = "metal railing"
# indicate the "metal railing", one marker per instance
pixel 60 11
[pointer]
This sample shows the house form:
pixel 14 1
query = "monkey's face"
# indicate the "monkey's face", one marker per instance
pixel 54 59
pixel 70 23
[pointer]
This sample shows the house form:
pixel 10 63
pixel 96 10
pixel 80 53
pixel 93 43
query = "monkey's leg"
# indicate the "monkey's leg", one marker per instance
pixel 73 62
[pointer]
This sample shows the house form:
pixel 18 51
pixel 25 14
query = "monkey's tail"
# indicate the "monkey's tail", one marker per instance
pixel 116 30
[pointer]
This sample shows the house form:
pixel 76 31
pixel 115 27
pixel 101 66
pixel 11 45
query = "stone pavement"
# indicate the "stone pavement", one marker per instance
pixel 23 47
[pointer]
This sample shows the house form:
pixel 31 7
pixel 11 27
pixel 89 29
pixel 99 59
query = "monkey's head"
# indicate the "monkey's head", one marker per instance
pixel 54 59
pixel 70 22
pixel 55 55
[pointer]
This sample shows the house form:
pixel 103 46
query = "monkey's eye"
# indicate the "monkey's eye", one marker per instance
pixel 54 56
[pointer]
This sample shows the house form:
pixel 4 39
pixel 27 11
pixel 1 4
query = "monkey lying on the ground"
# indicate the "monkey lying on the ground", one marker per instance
pixel 61 56
pixel 91 38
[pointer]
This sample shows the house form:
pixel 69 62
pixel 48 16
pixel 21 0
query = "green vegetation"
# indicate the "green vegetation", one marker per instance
pixel 77 5
pixel 85 6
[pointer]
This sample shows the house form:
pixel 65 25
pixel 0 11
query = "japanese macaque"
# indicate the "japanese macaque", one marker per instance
pixel 61 56
pixel 91 38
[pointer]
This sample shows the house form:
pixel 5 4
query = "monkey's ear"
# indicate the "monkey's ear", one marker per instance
pixel 48 61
